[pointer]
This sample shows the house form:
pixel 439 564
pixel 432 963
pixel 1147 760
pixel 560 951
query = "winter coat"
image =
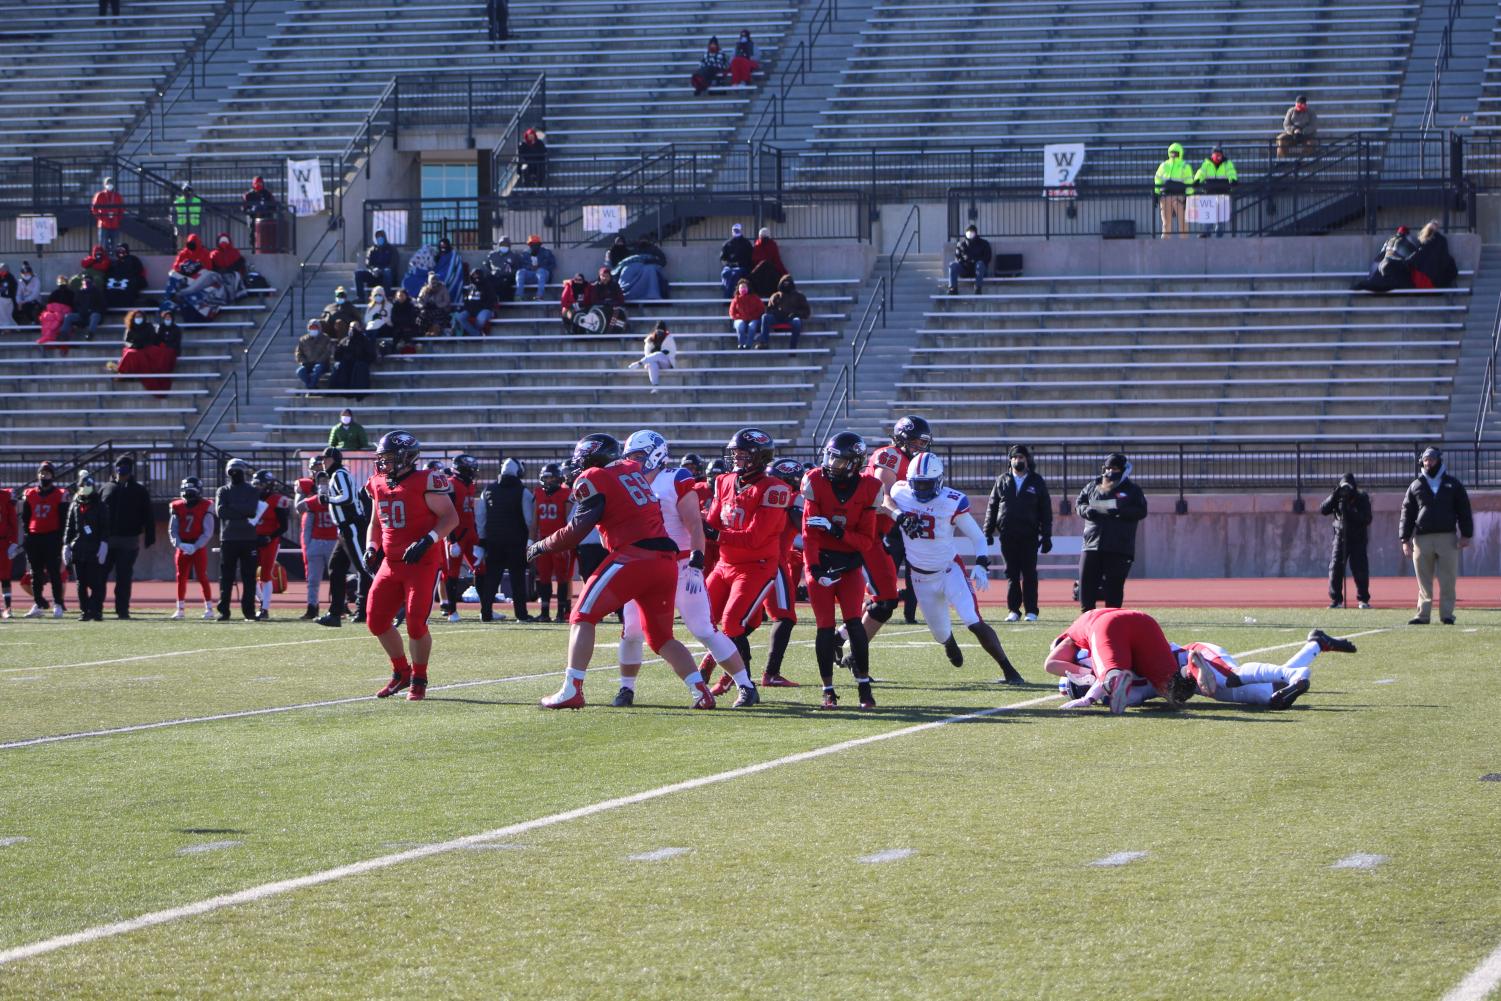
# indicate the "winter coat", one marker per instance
pixel 225 256
pixel 747 306
pixel 736 252
pixel 259 204
pixel 1025 514
pixel 351 437
pixel 1427 513
pixel 108 209
pixel 788 302
pixel 544 258
pixel 1112 531
pixel 141 335
pixel 128 504
pixel 51 321
pixel 1352 514
pixel 314 349
pixel 1433 261
pixel 378 258
pixel 1304 123
pixel 86 530
pixel 1174 176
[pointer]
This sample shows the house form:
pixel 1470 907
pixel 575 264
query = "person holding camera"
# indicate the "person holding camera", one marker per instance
pixel 1350 507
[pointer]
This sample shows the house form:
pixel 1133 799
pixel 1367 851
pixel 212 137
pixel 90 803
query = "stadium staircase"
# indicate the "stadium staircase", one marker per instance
pixel 1453 52
pixel 1475 350
pixel 1488 117
pixel 1184 358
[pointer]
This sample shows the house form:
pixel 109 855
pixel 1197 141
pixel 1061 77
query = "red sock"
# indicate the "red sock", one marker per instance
pixel 399 666
pixel 419 673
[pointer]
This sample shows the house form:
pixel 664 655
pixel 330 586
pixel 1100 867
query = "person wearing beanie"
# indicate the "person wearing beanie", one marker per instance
pixel 1300 129
pixel 1216 177
pixel 1392 266
pixel 735 254
pixel 1350 507
pixel 1020 512
pixel 43 515
pixel 127 506
pixel 1111 505
pixel 237 507
pixel 1436 525
pixel 349 434
pixel 711 68
pixel 86 547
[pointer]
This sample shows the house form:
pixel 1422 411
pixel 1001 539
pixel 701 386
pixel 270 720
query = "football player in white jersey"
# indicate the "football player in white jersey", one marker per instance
pixel 929 513
pixel 673 487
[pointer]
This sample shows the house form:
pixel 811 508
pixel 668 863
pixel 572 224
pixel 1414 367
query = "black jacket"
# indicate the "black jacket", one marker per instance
pixel 968 251
pixel 505 517
pixel 234 507
pixel 1112 531
pixel 1424 513
pixel 1352 513
pixel 1026 515
pixel 128 505
pixel 736 251
pixel 93 517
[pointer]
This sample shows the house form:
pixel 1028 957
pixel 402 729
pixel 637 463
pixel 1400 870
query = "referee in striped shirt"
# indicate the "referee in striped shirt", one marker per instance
pixel 349 507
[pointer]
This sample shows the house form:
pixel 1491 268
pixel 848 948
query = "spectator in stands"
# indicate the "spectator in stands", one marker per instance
pixel 498 16
pixel 380 266
pixel 349 434
pixel 227 260
pixel 1300 129
pixel 1436 524
pixel 1111 505
pixel 132 524
pixel 404 322
pixel 474 314
pixel 340 309
pixel 140 334
pixel 1351 509
pixel 8 286
pixel 168 347
pixel 125 279
pixel 574 302
pixel 260 205
pixel 111 7
pixel 789 306
pixel 89 308
pixel 619 251
pixel 61 292
pixel 502 264
pixel 28 295
pixel 58 308
pixel 353 356
pixel 1432 266
pixel 711 68
pixel 735 255
pixel 531 161
pixel 314 354
pixel 377 314
pixel 744 62
pixel 434 307
pixel 1171 187
pixel 108 210
pixel 150 351
pixel 1021 512
pixel 538 266
pixel 1392 267
pixel 449 265
pixel 191 260
pixel 607 293
pixel 1216 176
pixel 97 263
pixel 972 257
pixel 767 268
pixel 643 273
pixel 187 211
pixel 659 352
pixel 746 311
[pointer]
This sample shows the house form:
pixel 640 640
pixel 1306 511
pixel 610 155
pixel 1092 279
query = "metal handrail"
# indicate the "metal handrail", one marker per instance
pixel 1488 384
pixel 875 309
pixel 1440 63
pixel 901 247
pixel 839 395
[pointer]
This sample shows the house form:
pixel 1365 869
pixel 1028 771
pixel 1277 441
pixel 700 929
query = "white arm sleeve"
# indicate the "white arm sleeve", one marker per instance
pixel 172 531
pixel 964 524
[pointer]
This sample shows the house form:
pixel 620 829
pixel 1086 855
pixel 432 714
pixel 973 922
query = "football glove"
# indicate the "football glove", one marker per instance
pixel 980 577
pixel 693 580
pixel 818 522
pixel 711 533
pixel 479 554
pixel 373 557
pixel 1046 546
pixel 911 525
pixel 416 550
pixel 696 561
pixel 455 550
pixel 534 550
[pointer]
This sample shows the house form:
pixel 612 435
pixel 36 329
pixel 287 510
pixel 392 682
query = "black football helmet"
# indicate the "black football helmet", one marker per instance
pixel 595 450
pixel 694 463
pixel 912 434
pixel 844 456
pixel 466 467
pixel 551 477
pixel 718 468
pixel 750 451
pixel 314 465
pixel 191 489
pixel 396 454
pixel 789 471
pixel 263 481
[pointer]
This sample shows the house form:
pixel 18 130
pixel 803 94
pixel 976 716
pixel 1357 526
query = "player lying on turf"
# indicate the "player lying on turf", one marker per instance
pixel 1123 645
pixel 929 514
pixel 1208 669
pixel 612 493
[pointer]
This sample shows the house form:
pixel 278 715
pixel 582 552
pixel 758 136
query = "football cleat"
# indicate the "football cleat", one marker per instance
pixel 399 682
pixel 310 614
pixel 748 697
pixel 1031 616
pixel 867 698
pixel 453 616
pixel 418 691
pixel 209 613
pixel 262 615
pixel 545 617
pixel 956 655
pixel 1206 677
pixel 1014 617
pixel 176 615
pixel 57 611
pixel 1117 686
pixel 1012 677
pixel 5 613
pixel 777 681
pixel 331 620
pixel 1329 643
pixel 36 612
pixel 562 700
pixel 830 700
pixel 624 698
pixel 1083 702
pixel 1283 698
pixel 704 699
pixel 724 684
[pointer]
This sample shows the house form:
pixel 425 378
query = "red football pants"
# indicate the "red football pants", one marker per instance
pixel 453 566
pixel 848 591
pixel 736 592
pixel 398 584
pixel 195 563
pixel 880 574
pixel 555 567
pixel 266 558
pixel 646 576
pixel 1122 638
pixel 781 600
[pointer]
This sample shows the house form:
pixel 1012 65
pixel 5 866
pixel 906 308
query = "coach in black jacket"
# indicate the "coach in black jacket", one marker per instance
pixel 127 505
pixel 1435 509
pixel 1021 511
pixel 502 521
pixel 1111 506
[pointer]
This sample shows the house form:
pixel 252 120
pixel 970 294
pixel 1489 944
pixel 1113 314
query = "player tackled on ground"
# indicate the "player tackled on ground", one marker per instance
pixel 411 514
pixel 612 494
pixel 928 513
pixel 673 487
pixel 1123 645
pixel 1208 669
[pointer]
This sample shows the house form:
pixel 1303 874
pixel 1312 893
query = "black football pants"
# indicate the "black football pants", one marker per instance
pixel 238 560
pixel 1102 576
pixel 1353 553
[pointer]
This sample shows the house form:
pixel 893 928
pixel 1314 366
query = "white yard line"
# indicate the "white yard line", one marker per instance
pixel 266 890
pixel 1118 859
pixel 176 653
pixel 1360 860
pixel 889 855
pixel 1482 981
pixel 1284 646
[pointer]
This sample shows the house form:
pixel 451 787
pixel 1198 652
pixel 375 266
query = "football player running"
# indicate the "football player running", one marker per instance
pixel 673 487
pixel 612 493
pixel 928 513
pixel 839 535
pixel 412 513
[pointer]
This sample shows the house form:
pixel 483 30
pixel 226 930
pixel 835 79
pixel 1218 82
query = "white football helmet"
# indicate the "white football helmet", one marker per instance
pixel 652 446
pixel 925 476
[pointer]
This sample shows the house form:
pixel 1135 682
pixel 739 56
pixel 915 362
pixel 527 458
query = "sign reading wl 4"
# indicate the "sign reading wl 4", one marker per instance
pixel 604 218
pixel 1061 163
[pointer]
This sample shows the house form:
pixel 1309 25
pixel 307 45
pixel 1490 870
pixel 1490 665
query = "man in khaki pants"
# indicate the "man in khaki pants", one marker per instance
pixel 1436 525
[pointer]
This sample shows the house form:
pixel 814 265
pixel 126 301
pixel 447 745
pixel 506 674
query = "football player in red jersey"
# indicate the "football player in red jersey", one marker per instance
pixel 319 533
pixel 412 513
pixel 1124 645
pixel 705 491
pixel 747 516
pixel 839 535
pixel 272 524
pixel 549 514
pixel 10 545
pixel 910 437
pixel 642 566
pixel 44 510
pixel 463 540
pixel 191 529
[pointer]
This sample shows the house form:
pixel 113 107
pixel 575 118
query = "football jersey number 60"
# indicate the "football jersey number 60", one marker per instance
pixel 393 513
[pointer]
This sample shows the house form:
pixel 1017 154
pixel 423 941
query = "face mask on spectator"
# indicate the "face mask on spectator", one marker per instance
pixel 380 241
pixel 167 320
pixel 138 320
pixel 223 241
pixel 339 297
pixel 109 185
pixel 346 419
pixel 313 328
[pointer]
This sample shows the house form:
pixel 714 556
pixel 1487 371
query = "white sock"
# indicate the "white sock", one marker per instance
pixel 575 675
pixel 179 606
pixel 693 681
pixel 742 678
pixel 628 682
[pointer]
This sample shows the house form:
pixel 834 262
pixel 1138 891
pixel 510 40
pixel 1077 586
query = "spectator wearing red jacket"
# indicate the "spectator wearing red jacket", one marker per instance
pixel 192 258
pixel 108 209
pixel 746 310
pixel 767 268
pixel 97 263
pixel 226 257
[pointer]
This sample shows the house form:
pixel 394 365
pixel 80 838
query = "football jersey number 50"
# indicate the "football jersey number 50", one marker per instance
pixel 393 513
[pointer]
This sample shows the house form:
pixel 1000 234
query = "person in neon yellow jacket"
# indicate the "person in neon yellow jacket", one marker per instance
pixel 1172 185
pixel 1215 176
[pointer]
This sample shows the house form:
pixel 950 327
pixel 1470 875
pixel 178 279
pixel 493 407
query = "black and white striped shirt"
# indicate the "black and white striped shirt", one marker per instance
pixel 344 500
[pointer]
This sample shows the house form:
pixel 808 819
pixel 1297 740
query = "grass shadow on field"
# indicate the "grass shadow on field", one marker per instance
pixel 210 830
pixel 789 711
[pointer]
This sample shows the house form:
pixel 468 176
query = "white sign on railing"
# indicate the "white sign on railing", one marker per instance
pixel 305 187
pixel 604 218
pixel 38 229
pixel 1061 163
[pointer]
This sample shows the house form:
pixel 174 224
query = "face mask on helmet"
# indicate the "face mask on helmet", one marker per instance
pixel 191 490
pixel 912 435
pixel 551 477
pixel 650 447
pixel 925 477
pixel 843 456
pixel 595 450
pixel 750 451
pixel 396 454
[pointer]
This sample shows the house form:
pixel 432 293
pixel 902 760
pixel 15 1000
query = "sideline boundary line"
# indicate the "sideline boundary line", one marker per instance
pixel 173 653
pixel 1481 981
pixel 265 890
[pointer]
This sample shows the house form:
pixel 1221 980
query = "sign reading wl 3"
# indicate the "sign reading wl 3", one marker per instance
pixel 1061 163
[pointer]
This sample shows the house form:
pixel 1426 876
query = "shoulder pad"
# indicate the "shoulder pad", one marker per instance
pixel 887 458
pixel 583 487
pixel 436 482
pixel 778 494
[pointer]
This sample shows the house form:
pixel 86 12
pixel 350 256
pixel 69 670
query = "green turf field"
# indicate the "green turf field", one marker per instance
pixel 978 836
